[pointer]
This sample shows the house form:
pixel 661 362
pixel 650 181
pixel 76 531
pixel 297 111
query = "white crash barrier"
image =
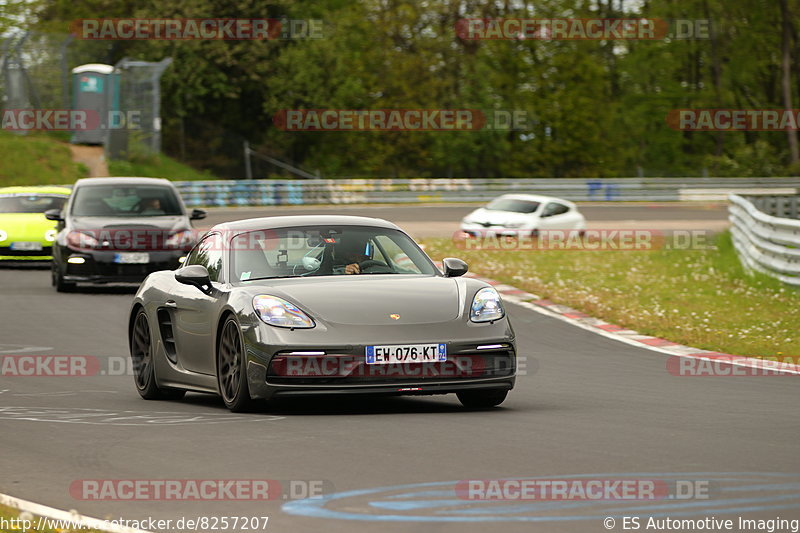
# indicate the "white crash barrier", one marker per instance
pixel 764 242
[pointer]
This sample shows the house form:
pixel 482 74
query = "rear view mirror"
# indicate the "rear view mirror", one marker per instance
pixel 196 275
pixel 197 214
pixel 54 214
pixel 453 267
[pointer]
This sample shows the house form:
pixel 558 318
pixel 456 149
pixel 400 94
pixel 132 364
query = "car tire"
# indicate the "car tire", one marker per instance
pixel 482 399
pixel 142 357
pixel 58 281
pixel 231 373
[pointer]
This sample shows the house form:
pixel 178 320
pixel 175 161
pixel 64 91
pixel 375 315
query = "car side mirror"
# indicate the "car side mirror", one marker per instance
pixel 54 214
pixel 453 267
pixel 197 214
pixel 196 275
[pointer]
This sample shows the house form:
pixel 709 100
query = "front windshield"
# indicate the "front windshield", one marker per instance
pixel 125 201
pixel 513 205
pixel 326 251
pixel 31 203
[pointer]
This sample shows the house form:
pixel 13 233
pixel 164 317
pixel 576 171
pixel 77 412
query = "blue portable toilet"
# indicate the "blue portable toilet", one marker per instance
pixel 95 89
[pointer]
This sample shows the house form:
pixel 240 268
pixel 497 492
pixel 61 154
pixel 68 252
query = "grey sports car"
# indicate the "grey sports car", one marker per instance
pixel 318 305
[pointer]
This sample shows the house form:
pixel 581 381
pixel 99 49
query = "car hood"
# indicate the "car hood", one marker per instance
pixel 175 223
pixel 372 299
pixel 25 226
pixel 498 218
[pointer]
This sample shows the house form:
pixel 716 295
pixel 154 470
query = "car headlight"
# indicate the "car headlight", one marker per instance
pixel 3 235
pixel 50 235
pixel 181 239
pixel 278 312
pixel 486 306
pixel 81 240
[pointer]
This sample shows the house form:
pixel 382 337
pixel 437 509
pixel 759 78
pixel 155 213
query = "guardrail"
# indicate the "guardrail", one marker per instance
pixel 419 190
pixel 766 234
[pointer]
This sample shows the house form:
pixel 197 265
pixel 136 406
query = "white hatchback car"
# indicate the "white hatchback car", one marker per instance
pixel 523 214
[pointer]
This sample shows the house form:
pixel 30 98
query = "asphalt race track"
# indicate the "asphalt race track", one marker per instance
pixel 442 220
pixel 588 407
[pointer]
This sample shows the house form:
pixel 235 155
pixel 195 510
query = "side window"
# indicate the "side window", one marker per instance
pixel 399 259
pixel 209 254
pixel 377 255
pixel 553 209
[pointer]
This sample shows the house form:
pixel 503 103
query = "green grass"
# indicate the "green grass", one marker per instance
pixel 702 298
pixel 36 159
pixel 156 166
pixel 45 159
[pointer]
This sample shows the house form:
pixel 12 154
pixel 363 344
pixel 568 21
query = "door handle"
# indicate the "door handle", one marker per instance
pixel 171 303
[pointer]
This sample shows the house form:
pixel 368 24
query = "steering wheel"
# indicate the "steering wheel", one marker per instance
pixel 370 266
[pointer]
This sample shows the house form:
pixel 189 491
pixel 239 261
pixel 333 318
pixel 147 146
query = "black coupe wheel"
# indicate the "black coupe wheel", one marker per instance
pixel 482 399
pixel 231 374
pixel 58 281
pixel 144 375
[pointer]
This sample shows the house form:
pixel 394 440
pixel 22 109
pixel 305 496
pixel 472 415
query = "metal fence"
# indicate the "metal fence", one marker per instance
pixel 35 73
pixel 421 190
pixel 766 234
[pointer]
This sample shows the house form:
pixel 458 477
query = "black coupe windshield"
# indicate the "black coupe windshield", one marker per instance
pixel 34 203
pixel 326 251
pixel 125 201
pixel 513 205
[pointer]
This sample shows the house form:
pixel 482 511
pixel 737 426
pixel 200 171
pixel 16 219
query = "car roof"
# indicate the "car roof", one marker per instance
pixel 536 198
pixel 301 220
pixel 123 181
pixel 38 189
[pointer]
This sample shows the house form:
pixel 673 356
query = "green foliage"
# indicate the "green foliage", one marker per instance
pixel 596 108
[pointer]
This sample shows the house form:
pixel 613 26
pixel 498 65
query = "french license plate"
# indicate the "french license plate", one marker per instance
pixel 132 257
pixel 26 246
pixel 406 353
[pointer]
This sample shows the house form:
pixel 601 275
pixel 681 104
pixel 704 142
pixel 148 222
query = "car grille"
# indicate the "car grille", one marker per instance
pixel 332 369
pixel 116 270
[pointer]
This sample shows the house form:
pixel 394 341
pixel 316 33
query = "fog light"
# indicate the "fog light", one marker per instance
pixel 181 259
pixel 76 260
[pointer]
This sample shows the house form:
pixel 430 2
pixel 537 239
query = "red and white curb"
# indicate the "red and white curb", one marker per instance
pixel 73 518
pixel 628 336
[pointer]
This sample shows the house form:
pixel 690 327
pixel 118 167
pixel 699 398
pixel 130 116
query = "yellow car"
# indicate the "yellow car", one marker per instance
pixel 25 233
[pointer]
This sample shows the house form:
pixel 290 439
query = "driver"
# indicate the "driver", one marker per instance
pixel 151 206
pixel 350 251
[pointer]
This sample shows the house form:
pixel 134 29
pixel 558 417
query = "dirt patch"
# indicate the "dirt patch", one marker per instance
pixel 93 157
